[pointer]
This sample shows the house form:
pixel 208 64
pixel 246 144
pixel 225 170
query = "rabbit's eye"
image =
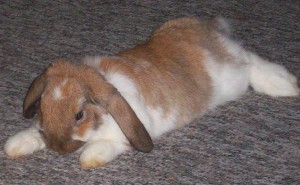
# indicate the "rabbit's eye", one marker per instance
pixel 79 115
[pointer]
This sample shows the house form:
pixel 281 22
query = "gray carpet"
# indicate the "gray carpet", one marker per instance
pixel 255 140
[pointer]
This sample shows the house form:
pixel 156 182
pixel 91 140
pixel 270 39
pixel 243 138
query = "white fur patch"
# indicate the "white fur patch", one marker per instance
pixel 81 101
pixel 230 80
pixel 24 142
pixel 159 122
pixel 108 130
pixel 94 62
pixel 87 136
pixel 57 94
pixel 153 118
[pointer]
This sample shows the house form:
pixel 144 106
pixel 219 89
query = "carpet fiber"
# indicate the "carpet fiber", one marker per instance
pixel 255 140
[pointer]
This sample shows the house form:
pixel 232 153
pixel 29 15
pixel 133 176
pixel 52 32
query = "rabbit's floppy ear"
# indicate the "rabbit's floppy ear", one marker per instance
pixel 129 123
pixel 31 101
pixel 103 93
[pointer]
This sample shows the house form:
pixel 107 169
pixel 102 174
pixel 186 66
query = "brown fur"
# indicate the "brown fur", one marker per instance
pixel 57 117
pixel 167 69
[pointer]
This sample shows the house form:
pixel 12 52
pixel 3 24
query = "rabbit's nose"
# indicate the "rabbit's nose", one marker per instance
pixel 65 147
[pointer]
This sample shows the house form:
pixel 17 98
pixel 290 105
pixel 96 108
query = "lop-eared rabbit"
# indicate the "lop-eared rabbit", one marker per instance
pixel 105 106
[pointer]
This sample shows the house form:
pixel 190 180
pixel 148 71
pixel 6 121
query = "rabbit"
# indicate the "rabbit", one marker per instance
pixel 103 106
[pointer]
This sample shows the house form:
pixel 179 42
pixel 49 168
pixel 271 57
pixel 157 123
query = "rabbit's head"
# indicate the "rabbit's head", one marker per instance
pixel 71 100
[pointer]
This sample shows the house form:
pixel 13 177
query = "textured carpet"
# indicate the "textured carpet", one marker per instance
pixel 255 140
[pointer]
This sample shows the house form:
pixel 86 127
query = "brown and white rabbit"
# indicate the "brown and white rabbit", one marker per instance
pixel 106 105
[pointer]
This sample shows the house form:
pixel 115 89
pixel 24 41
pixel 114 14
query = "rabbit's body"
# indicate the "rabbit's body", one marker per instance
pixel 186 67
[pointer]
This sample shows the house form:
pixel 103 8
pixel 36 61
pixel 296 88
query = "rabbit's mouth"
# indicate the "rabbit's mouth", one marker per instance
pixel 67 147
pixel 60 146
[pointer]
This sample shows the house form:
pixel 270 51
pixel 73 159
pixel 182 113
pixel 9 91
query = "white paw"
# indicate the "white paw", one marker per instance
pixel 274 80
pixel 23 143
pixel 99 153
pixel 93 157
pixel 95 160
pixel 285 85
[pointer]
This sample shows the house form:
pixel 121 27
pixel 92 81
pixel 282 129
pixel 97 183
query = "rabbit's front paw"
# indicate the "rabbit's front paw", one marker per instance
pixel 23 143
pixel 92 161
pixel 93 156
pixel 99 153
